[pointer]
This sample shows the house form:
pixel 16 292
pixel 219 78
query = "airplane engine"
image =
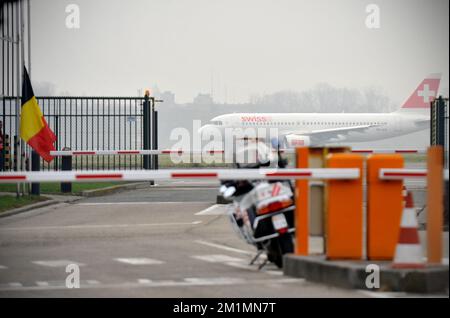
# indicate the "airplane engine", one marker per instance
pixel 293 141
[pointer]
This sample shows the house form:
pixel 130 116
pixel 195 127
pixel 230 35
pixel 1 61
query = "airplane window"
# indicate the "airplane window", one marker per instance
pixel 216 122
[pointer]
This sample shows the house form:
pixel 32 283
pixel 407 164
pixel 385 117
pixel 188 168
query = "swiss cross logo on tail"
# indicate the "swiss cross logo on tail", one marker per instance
pixel 424 94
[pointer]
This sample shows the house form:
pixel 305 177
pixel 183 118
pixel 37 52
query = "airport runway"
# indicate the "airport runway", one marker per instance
pixel 154 242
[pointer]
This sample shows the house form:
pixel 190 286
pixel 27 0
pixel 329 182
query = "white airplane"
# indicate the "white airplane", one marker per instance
pixel 305 129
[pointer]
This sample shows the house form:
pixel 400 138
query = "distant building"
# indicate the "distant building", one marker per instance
pixel 203 99
pixel 168 97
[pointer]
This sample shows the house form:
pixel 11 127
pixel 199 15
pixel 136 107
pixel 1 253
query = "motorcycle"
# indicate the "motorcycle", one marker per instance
pixel 262 214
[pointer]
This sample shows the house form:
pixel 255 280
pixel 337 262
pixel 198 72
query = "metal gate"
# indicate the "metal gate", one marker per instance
pixel 97 123
pixel 439 125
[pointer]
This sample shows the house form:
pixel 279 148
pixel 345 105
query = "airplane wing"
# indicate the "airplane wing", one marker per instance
pixel 322 134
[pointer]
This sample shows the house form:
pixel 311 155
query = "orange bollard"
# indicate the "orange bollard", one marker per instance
pixel 302 205
pixel 435 203
pixel 344 228
pixel 384 207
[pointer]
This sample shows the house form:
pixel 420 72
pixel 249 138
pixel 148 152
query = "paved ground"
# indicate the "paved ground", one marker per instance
pixel 162 241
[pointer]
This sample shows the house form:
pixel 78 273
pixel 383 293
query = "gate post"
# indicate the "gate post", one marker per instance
pixel 302 205
pixel 155 137
pixel 435 204
pixel 153 141
pixel 384 207
pixel 66 165
pixel 35 166
pixel 344 226
pixel 146 128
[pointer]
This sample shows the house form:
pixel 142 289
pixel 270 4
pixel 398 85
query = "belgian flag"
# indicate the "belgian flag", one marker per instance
pixel 33 126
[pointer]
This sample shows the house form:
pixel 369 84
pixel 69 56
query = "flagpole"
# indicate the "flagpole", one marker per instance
pixel 18 104
pixel 29 150
pixel 25 148
pixel 22 66
pixel 29 36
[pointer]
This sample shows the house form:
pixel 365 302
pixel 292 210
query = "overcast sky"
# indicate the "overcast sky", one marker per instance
pixel 244 47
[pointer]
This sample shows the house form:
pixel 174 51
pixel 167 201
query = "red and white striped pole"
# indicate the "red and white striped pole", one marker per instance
pixel 58 153
pixel 167 174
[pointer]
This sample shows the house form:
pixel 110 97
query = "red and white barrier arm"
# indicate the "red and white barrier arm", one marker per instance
pixel 147 175
pixel 59 153
pixel 389 151
pixel 375 151
pixel 400 174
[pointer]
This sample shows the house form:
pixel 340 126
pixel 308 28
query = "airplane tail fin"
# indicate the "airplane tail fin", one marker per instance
pixel 423 95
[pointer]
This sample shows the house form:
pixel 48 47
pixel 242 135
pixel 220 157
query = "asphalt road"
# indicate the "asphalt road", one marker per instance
pixel 164 241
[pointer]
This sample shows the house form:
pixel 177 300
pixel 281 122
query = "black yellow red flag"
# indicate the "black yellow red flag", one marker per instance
pixel 34 129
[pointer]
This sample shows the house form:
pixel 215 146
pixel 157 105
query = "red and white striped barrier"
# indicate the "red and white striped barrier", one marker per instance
pixel 147 175
pixel 59 153
pixel 400 174
pixel 390 151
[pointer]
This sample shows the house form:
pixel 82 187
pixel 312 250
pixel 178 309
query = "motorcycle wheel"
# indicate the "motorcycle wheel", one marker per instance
pixel 274 253
pixel 286 244
pixel 278 247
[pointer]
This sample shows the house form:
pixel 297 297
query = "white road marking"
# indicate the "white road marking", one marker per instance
pixel 97 226
pixel 218 258
pixel 56 263
pixel 224 247
pixel 15 284
pixel 216 209
pixel 214 280
pixel 139 261
pixel 219 281
pixel 3 267
pixel 92 282
pixel 144 281
pixel 273 272
pixel 241 263
pixel 379 294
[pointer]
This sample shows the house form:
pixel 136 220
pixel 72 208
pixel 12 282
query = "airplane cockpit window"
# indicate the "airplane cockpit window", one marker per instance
pixel 216 122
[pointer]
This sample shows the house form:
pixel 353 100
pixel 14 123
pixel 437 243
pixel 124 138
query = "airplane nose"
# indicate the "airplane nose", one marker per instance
pixel 201 130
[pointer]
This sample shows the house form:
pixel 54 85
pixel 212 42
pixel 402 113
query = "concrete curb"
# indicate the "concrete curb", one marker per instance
pixel 29 207
pixel 352 274
pixel 53 199
pixel 182 186
pixel 113 189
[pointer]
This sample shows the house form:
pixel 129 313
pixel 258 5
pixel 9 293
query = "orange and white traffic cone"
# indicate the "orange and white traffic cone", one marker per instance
pixel 408 253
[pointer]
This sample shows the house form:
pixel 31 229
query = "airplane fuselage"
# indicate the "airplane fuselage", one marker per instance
pixel 324 128
pixel 383 125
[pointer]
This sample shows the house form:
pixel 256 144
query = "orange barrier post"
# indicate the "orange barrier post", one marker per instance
pixel 435 203
pixel 344 227
pixel 384 207
pixel 302 205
